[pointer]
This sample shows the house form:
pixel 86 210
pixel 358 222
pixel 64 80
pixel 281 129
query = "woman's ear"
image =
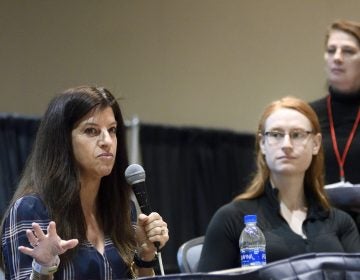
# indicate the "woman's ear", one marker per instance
pixel 316 143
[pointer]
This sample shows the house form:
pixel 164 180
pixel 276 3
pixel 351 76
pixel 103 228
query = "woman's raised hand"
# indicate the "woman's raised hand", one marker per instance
pixel 46 247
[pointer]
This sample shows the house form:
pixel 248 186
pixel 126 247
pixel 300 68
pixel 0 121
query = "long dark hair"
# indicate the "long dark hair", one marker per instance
pixel 52 174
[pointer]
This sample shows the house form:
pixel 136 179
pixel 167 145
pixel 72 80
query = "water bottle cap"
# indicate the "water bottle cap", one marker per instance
pixel 249 219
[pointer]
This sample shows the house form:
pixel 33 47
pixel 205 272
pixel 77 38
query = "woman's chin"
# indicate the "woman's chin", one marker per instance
pixel 105 171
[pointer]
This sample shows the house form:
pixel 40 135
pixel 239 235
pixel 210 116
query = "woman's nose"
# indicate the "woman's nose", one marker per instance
pixel 286 141
pixel 338 55
pixel 105 138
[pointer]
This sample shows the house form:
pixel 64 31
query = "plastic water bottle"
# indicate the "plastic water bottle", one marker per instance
pixel 252 244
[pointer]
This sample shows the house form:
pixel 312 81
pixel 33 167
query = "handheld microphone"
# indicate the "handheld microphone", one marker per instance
pixel 135 176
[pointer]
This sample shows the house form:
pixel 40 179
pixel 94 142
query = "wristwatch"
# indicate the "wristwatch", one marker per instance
pixel 46 270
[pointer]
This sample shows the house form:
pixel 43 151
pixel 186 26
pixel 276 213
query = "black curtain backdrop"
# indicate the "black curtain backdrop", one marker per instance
pixel 190 173
pixel 17 134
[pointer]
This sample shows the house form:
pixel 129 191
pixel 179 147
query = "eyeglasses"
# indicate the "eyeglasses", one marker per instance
pixel 297 136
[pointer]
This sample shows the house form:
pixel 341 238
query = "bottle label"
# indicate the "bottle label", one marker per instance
pixel 252 257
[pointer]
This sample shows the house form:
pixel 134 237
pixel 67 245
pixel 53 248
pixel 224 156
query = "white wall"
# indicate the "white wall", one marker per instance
pixel 211 63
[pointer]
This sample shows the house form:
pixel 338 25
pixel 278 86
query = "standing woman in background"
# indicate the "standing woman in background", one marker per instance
pixel 75 178
pixel 339 111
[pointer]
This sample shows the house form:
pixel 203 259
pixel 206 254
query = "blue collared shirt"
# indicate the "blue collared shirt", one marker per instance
pixel 87 263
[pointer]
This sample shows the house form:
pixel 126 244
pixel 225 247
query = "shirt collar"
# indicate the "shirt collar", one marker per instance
pixel 315 210
pixel 351 98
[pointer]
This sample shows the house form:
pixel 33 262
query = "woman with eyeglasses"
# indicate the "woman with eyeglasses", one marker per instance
pixel 339 110
pixel 286 193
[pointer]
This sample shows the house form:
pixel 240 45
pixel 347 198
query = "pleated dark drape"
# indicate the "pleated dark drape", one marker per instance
pixel 17 134
pixel 190 173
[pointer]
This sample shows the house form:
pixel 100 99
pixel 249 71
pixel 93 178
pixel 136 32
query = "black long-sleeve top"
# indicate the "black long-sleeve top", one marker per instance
pixel 326 231
pixel 345 107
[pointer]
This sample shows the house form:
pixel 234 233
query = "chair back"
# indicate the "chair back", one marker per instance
pixel 188 255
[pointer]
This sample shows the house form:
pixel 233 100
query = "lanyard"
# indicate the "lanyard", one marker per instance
pixel 341 160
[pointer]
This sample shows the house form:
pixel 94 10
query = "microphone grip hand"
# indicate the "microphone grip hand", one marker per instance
pixel 151 229
pixel 154 228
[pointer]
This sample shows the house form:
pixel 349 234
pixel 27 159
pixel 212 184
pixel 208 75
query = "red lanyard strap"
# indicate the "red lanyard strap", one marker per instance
pixel 341 160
